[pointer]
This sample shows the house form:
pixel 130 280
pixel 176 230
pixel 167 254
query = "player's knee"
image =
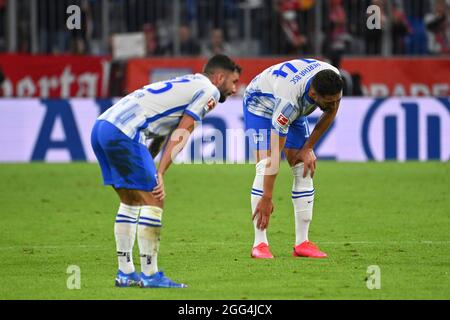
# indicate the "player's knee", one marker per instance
pixel 147 199
pixel 151 216
pixel 291 157
pixel 129 197
pixel 153 202
pixel 292 161
pixel 299 181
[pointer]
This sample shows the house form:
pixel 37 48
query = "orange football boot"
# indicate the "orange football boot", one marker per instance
pixel 308 249
pixel 261 251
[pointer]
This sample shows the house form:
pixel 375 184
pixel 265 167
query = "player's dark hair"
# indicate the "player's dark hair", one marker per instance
pixel 327 82
pixel 221 61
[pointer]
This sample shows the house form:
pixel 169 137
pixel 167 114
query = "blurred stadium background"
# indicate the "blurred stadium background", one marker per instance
pixel 122 45
pixel 117 31
pixel 55 81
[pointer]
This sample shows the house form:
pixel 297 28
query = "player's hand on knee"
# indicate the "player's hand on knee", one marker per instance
pixel 307 156
pixel 159 192
pixel 263 211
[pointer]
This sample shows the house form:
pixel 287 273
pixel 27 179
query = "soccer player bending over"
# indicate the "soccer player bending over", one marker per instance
pixel 118 140
pixel 276 104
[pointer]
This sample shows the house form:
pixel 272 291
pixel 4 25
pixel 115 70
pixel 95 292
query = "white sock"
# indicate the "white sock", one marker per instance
pixel 303 201
pixel 257 191
pixel 125 234
pixel 149 229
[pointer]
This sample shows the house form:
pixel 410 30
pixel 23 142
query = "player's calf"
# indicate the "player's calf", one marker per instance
pixel 303 201
pixel 255 196
pixel 149 229
pixel 125 235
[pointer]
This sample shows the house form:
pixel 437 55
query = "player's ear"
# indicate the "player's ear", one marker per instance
pixel 312 93
pixel 219 78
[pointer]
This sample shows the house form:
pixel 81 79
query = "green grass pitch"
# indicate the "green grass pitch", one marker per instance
pixel 393 215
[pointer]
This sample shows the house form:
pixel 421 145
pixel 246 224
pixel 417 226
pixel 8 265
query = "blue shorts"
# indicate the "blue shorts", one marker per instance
pixel 124 163
pixel 258 128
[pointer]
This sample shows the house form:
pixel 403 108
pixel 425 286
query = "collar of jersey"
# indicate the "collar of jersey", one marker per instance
pixel 305 95
pixel 202 75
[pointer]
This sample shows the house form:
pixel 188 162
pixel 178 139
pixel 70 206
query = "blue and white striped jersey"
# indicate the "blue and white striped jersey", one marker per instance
pixel 280 92
pixel 156 109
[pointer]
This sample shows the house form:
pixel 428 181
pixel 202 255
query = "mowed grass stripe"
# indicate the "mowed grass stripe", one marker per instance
pixel 394 215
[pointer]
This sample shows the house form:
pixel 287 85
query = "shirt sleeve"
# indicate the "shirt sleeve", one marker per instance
pixel 203 101
pixel 284 114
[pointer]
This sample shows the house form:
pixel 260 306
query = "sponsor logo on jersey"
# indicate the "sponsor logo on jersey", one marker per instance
pixel 282 120
pixel 211 104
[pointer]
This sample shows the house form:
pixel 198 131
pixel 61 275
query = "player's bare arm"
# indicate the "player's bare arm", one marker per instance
pixel 155 147
pixel 329 105
pixel 177 141
pixel 265 206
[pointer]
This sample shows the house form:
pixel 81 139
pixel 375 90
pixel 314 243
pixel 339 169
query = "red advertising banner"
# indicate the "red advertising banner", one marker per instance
pixel 54 76
pixel 402 76
pixel 379 77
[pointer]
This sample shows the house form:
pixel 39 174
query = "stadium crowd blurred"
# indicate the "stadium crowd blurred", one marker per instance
pixel 328 29
pixel 238 27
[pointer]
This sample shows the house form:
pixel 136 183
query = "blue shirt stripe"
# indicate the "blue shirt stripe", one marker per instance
pixel 156 117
